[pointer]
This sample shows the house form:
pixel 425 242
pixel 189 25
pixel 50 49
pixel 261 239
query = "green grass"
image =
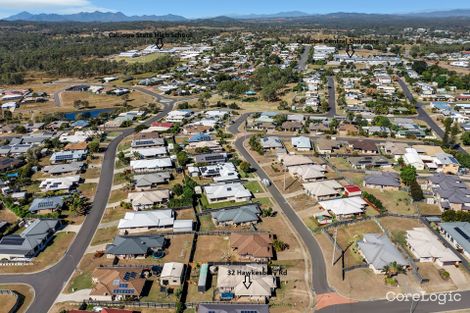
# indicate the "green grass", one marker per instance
pixel 264 202
pixel 82 281
pixel 253 186
pixel 206 223
pixel 155 295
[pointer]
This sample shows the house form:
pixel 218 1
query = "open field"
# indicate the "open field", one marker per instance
pixel 214 249
pixel 52 254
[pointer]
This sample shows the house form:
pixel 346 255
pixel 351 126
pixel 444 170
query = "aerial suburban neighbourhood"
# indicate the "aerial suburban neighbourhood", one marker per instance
pixel 251 162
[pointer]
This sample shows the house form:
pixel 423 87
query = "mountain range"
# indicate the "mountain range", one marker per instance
pixel 121 17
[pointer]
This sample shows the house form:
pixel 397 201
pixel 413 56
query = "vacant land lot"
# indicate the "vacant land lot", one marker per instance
pixel 394 201
pixel 52 254
pixel 214 248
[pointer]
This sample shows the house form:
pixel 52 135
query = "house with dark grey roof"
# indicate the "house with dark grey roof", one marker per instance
pixel 147 143
pixel 449 191
pixel 240 215
pixel 210 158
pixel 30 242
pixel 135 246
pixel 379 251
pixel 65 168
pixel 363 146
pixel 371 161
pixel 383 181
pixel 232 308
pixel 46 205
pixel 458 234
pixel 149 181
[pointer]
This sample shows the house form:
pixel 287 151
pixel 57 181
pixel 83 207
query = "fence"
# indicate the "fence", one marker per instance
pixel 18 301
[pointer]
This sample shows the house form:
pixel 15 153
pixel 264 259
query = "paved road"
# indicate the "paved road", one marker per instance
pixel 320 282
pixel 331 97
pixel 49 283
pixel 303 59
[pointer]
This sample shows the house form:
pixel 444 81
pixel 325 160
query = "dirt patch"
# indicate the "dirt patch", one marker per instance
pixel 214 248
pixel 7 216
pixel 395 201
pixel 301 202
pixel 291 184
pixel 436 283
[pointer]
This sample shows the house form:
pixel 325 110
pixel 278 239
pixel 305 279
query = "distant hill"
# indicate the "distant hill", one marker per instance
pixel 93 17
pixel 291 15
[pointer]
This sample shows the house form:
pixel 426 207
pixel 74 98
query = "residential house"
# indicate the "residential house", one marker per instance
pixel 369 161
pixel 210 158
pixel 147 153
pixel 396 149
pixel 257 246
pixel 127 247
pixel 450 192
pixel 379 251
pixel 46 205
pixel 147 199
pixel 289 160
pixel 172 274
pixel 117 284
pixel 271 143
pixel 325 146
pixel 383 181
pixel 352 190
pixel 344 208
pixel 213 146
pixel 426 247
pixel 301 143
pixel 363 146
pixel 149 181
pixel 30 242
pixel 68 156
pixel 323 190
pixel 240 215
pixel 292 126
pixel 227 192
pixel 458 234
pixel 308 172
pixel 151 165
pixel 65 168
pixel 142 221
pixel 262 284
pixel 411 157
pixel 10 163
pixel 61 183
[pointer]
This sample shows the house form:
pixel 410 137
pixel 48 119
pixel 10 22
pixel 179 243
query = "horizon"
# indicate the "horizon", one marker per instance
pixel 211 8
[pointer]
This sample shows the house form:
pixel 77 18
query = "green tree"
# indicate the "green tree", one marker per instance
pixel 465 138
pixel 177 189
pixel 408 175
pixel 393 269
pixel 416 192
pixel 182 158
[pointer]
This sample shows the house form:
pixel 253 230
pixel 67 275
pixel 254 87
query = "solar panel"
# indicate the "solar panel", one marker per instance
pixel 462 233
pixel 12 241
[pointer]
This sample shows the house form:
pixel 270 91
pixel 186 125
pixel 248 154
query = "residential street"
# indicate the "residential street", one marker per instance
pixel 49 283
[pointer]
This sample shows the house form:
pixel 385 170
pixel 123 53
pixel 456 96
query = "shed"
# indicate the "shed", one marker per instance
pixel 203 276
pixel 182 226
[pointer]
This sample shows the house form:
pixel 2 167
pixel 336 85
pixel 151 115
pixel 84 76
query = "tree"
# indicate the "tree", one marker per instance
pixel 140 128
pixel 177 189
pixel 77 204
pixel 94 146
pixel 419 66
pixel 279 245
pixel 416 192
pixel 393 269
pixel 408 175
pixel 245 167
pixel 182 158
pixel 465 138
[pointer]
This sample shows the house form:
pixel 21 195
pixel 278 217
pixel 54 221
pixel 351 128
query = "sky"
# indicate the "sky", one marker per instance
pixel 211 8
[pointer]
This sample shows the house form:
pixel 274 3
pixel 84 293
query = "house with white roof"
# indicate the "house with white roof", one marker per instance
pixel 151 165
pixel 308 172
pixel 153 152
pixel 227 192
pixel 411 157
pixel 142 221
pixel 323 190
pixel 426 247
pixel 62 183
pixel 289 160
pixel 344 207
pixel 260 289
pixel 301 143
pixel 172 274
